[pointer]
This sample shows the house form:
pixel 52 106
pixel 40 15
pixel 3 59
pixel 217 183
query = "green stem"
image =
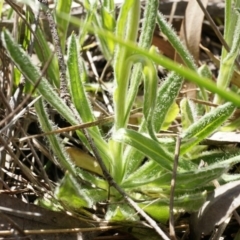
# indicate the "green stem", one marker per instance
pixel 127 28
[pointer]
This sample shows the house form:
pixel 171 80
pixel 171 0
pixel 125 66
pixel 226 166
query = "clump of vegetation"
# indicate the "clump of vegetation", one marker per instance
pixel 128 173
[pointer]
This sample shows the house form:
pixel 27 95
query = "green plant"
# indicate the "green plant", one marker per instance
pixel 140 161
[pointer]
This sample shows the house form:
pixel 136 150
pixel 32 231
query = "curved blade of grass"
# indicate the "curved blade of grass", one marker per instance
pixel 147 146
pixel 127 28
pixel 206 125
pixel 185 72
pixel 150 90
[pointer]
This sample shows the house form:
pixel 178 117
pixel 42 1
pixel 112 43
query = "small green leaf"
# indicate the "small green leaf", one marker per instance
pixel 171 116
pixel 157 211
pixel 188 113
pixel 121 212
pixel 70 192
pixel 44 53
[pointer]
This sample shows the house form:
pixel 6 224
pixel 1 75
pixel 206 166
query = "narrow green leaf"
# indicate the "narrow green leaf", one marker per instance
pixel 229 178
pixel 206 125
pixel 147 173
pixel 171 116
pixel 186 181
pixel 127 28
pixel 217 155
pixel 150 94
pixel 165 98
pixel 156 210
pixel 77 76
pixel 147 146
pixel 94 180
pixel 199 178
pixel 228 162
pixel 108 22
pixel 173 38
pixel 190 202
pixel 159 210
pixel 228 63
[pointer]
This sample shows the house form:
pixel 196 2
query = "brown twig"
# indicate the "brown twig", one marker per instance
pixel 14 225
pixel 57 231
pixel 77 127
pixel 56 42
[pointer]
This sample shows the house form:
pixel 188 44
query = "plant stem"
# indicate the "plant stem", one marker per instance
pixel 127 28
